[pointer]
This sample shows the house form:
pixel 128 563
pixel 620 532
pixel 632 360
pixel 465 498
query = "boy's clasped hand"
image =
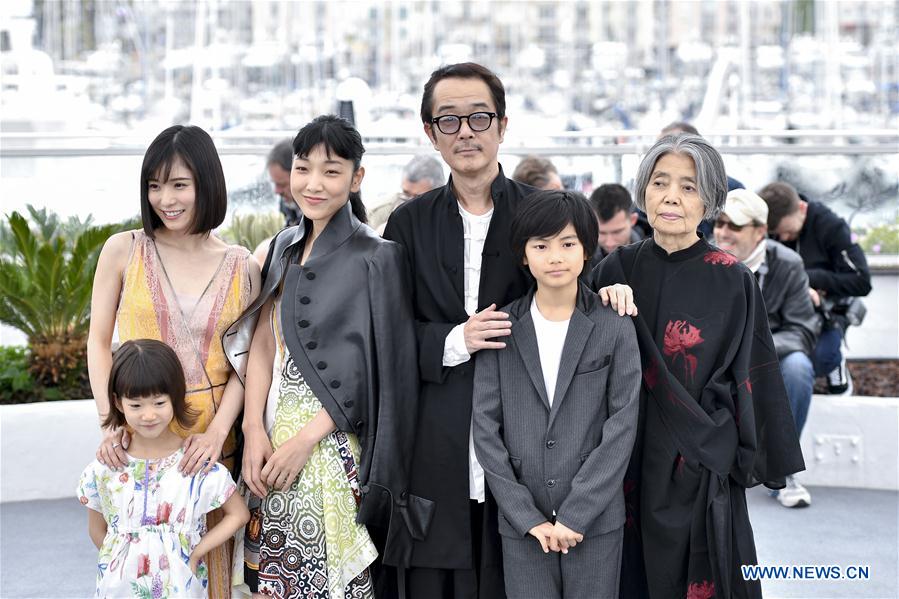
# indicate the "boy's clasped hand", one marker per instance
pixel 556 537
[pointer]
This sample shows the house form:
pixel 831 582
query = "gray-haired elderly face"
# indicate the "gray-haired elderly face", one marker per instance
pixel 421 174
pixel 680 181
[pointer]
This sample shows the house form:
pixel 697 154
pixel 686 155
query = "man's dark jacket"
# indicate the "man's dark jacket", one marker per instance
pixel 833 262
pixel 430 228
pixel 791 315
pixel 348 326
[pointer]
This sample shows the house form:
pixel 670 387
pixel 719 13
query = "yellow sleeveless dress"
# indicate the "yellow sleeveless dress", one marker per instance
pixel 149 309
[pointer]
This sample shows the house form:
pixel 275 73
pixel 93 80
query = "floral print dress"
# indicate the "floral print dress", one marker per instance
pixel 155 517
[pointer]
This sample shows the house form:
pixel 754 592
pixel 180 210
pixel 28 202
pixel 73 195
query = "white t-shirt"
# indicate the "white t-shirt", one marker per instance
pixel 474 228
pixel 550 342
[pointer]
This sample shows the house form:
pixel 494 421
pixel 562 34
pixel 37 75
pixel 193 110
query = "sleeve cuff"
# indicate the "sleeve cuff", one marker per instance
pixel 454 350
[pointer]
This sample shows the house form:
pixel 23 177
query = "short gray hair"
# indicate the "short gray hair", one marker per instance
pixel 282 155
pixel 424 167
pixel 711 181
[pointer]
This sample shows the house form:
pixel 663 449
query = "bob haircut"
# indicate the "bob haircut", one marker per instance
pixel 340 138
pixel 144 368
pixel 711 181
pixel 463 70
pixel 545 213
pixel 195 148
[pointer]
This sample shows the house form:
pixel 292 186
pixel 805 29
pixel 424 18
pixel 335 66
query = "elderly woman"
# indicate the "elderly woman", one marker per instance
pixel 714 415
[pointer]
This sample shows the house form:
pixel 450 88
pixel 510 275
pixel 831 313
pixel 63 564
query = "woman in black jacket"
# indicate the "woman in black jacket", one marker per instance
pixel 331 386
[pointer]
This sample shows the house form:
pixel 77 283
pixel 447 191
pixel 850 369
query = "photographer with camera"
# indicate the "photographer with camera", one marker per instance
pixel 836 267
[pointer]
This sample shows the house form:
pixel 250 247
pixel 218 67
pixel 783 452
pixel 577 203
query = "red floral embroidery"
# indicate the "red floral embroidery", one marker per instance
pixel 123 477
pixel 719 257
pixel 83 500
pixel 181 515
pixel 143 565
pixel 701 590
pixel 163 562
pixel 163 512
pixel 680 336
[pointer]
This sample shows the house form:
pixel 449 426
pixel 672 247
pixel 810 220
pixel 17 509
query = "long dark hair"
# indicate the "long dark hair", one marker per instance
pixel 338 136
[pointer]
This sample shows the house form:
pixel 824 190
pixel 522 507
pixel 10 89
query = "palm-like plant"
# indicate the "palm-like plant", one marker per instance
pixel 46 278
pixel 249 230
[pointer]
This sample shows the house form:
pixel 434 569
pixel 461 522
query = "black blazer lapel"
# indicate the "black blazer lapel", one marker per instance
pixel 525 338
pixel 580 328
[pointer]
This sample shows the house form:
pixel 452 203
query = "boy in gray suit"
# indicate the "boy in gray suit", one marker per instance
pixel 555 413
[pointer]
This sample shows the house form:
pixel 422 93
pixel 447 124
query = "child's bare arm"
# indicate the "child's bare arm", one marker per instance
pixel 96 527
pixel 236 516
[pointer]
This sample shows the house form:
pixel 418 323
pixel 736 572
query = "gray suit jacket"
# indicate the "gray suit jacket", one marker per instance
pixel 569 459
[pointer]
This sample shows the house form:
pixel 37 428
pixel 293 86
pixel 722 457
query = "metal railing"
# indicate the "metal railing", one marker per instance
pixel 564 143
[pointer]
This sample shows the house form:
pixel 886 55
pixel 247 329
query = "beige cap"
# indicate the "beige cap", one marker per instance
pixel 743 207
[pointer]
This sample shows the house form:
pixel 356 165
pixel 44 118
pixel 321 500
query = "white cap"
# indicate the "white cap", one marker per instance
pixel 744 207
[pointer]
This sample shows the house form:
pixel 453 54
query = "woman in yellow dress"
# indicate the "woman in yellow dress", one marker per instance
pixel 175 282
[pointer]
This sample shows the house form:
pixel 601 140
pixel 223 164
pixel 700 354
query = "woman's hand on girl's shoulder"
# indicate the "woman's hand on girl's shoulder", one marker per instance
pixel 201 451
pixel 111 452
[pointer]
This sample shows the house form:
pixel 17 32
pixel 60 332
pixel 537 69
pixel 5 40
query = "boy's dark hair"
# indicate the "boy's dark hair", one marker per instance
pixel 144 368
pixel 545 213
pixel 609 199
pixel 534 171
pixel 463 70
pixel 339 137
pixel 195 149
pixel 782 200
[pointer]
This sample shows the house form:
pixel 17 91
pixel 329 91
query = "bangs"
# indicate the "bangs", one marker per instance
pixel 140 370
pixel 336 137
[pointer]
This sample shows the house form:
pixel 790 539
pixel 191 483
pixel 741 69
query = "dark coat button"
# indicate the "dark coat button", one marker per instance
pixel 359 424
pixel 551 482
pixel 311 345
pixel 366 488
pixel 550 444
pixel 310 275
pixel 348 403
pixel 335 384
pixel 321 365
pixel 304 300
pixel 403 495
pixel 303 324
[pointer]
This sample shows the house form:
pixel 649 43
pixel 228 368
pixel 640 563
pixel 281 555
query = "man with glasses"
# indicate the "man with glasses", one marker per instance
pixel 742 230
pixel 457 237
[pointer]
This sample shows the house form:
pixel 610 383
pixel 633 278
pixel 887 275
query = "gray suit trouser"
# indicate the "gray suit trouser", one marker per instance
pixel 590 570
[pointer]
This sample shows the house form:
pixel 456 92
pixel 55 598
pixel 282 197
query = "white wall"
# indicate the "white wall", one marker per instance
pixel 847 442
pixel 44 447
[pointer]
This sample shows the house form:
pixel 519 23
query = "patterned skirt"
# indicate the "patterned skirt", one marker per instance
pixel 305 542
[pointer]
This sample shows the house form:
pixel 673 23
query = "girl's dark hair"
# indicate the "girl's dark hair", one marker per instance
pixel 339 137
pixel 195 148
pixel 545 213
pixel 144 368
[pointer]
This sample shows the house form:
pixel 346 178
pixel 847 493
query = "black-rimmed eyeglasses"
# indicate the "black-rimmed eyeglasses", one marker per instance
pixel 448 124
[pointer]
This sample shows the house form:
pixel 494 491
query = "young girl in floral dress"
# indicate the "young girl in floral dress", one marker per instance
pixel 149 520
